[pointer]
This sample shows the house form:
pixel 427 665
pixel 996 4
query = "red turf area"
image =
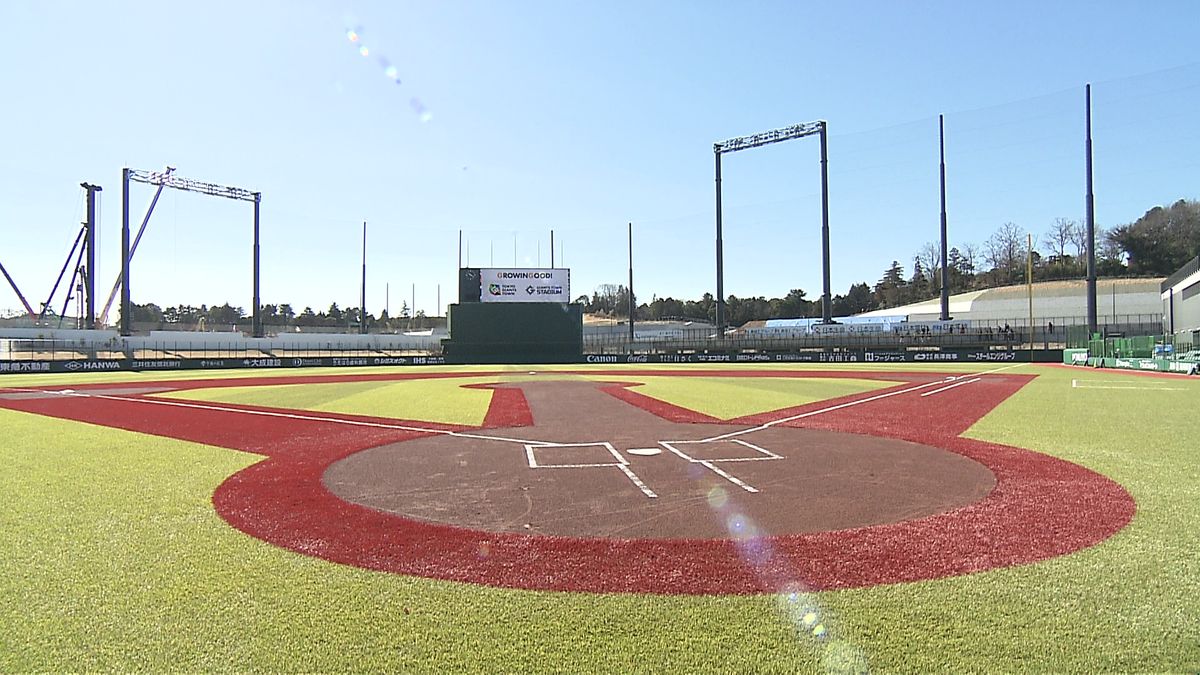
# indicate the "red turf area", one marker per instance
pixel 1041 507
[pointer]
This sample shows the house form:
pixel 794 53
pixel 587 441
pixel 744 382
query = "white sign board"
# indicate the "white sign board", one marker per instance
pixel 525 285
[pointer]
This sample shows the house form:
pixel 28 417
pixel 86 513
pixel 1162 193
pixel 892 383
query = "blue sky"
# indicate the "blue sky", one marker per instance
pixel 514 118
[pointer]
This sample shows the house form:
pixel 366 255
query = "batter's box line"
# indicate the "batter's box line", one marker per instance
pixel 621 464
pixel 711 464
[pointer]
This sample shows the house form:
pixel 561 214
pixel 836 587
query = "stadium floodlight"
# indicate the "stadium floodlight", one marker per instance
pixel 168 178
pixel 766 138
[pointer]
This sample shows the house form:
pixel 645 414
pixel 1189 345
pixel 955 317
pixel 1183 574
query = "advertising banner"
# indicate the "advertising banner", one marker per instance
pixel 525 285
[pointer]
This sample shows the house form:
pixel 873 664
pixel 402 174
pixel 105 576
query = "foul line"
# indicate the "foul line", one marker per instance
pixel 295 416
pixel 950 386
pixel 849 404
pixel 484 437
pixel 1076 384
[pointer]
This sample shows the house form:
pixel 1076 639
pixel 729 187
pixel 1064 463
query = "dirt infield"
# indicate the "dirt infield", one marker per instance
pixel 867 489
pixel 803 480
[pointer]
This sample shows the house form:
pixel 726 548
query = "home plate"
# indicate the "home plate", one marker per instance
pixel 644 452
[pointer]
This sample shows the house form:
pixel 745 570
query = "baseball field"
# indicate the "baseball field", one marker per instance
pixel 639 518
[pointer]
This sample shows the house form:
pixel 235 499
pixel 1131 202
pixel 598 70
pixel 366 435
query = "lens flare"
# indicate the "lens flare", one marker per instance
pixel 717 497
pixel 422 112
pixel 797 607
pixel 391 72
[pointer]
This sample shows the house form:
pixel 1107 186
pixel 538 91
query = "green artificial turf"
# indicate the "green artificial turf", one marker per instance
pixel 436 400
pixel 1129 604
pixel 112 558
pixel 731 397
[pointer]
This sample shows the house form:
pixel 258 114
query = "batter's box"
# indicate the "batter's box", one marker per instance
pixel 724 450
pixel 582 456
pixel 572 455
pixel 709 453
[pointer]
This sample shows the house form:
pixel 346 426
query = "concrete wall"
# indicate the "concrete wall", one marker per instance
pixel 1181 302
pixel 1062 302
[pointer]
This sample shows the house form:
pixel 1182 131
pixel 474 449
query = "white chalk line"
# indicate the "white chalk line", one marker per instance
pixel 306 418
pixel 621 464
pixel 950 386
pixel 1076 384
pixel 637 481
pixel 849 404
pixel 530 444
pixel 710 464
pixel 732 479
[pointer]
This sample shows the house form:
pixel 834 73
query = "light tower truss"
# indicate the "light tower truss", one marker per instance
pixel 167 178
pixel 769 137
pixel 817 128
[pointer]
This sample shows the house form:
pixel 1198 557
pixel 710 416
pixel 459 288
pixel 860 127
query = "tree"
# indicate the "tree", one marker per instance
pixel 859 299
pixel 1162 240
pixel 1063 232
pixel 930 257
pixel 919 284
pixel 794 305
pixel 334 316
pixel 961 270
pixel 308 318
pixel 147 313
pixel 1109 256
pixel 225 314
pixel 1003 251
pixel 890 288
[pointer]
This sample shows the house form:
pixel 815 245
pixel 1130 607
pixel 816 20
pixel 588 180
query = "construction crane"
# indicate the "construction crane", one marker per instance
pixel 12 283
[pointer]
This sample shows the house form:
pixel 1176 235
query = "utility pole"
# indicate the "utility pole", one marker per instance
pixel 89 277
pixel 720 253
pixel 362 298
pixel 126 320
pixel 1029 282
pixel 1090 206
pixel 945 316
pixel 632 302
pixel 827 305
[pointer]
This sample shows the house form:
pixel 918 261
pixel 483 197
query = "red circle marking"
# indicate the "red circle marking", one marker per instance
pixel 1041 506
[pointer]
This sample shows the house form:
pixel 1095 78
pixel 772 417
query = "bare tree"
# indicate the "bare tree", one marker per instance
pixel 930 257
pixel 970 258
pixel 1062 233
pixel 1003 249
pixel 1079 239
